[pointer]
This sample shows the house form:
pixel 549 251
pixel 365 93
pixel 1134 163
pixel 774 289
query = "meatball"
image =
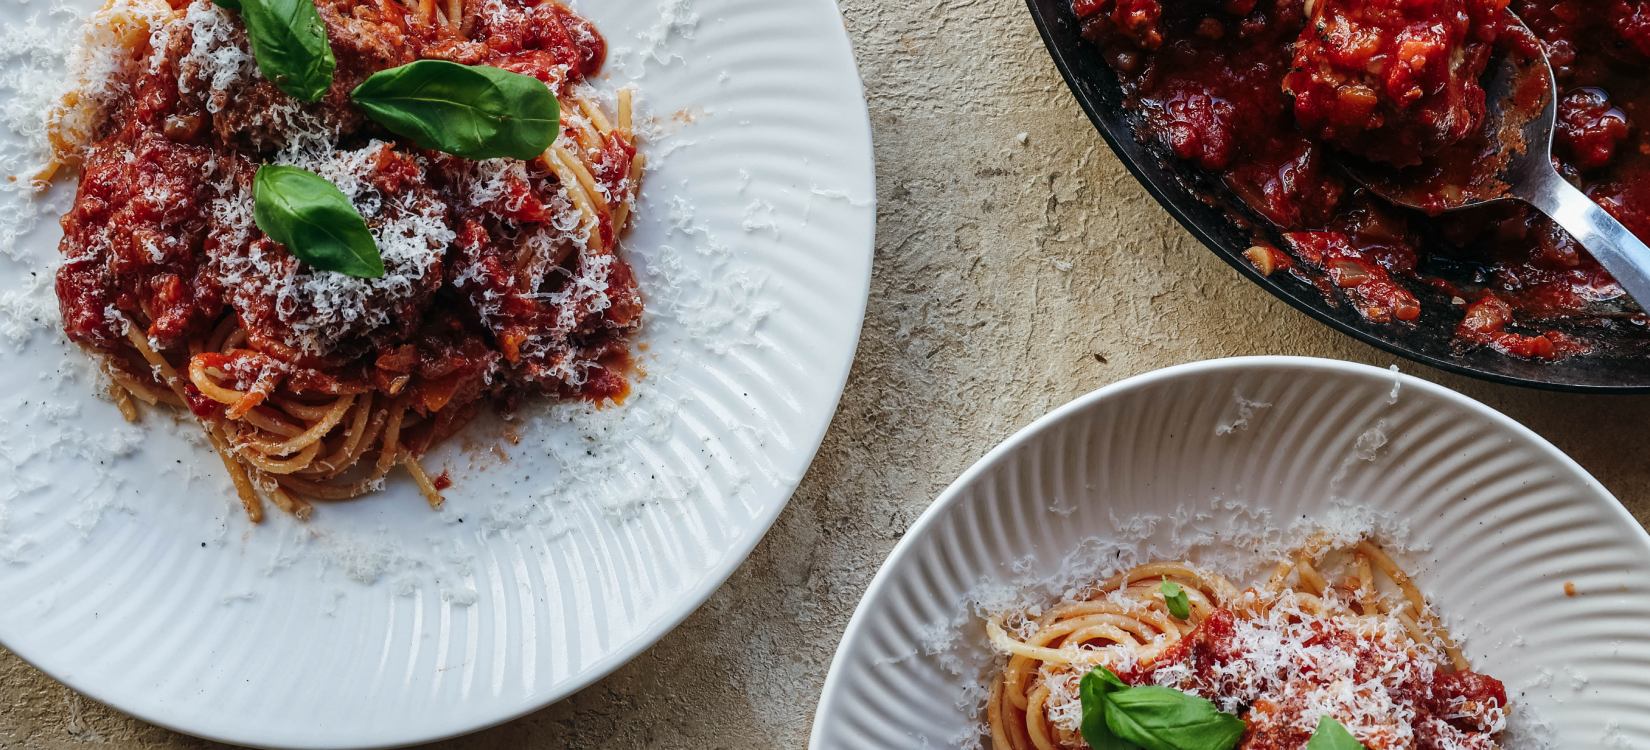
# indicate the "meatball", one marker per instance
pixel 129 243
pixel 292 308
pixel 217 73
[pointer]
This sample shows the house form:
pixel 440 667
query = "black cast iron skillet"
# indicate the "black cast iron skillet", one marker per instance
pixel 1619 362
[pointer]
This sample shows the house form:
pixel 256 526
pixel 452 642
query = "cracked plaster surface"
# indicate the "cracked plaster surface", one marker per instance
pixel 1010 278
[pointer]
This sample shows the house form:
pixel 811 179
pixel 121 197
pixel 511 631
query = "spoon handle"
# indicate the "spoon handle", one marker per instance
pixel 1607 240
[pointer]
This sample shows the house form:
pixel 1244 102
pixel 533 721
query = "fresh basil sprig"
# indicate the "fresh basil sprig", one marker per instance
pixel 469 111
pixel 315 220
pixel 1179 605
pixel 1119 717
pixel 289 41
pixel 1332 735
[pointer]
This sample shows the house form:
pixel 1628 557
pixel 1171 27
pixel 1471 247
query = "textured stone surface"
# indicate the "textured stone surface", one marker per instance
pixel 1010 278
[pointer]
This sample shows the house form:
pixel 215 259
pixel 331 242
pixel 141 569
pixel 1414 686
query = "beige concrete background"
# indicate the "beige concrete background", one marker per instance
pixel 1010 278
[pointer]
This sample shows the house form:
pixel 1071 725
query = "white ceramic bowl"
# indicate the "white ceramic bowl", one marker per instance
pixel 1497 521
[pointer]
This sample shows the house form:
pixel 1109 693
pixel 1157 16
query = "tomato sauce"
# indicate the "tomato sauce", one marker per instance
pixel 1266 97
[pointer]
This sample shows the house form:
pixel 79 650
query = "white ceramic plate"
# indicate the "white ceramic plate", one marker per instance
pixel 1498 521
pixel 126 572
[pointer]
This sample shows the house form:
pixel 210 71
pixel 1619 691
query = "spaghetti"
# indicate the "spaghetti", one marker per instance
pixel 503 276
pixel 1300 647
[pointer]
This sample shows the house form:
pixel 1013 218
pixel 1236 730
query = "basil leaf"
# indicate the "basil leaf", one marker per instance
pixel 1332 735
pixel 1151 717
pixel 469 111
pixel 289 42
pixel 1160 718
pixel 1093 689
pixel 1179 605
pixel 315 221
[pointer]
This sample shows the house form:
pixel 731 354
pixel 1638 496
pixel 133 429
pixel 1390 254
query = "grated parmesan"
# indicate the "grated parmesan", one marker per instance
pixel 323 308
pixel 1246 411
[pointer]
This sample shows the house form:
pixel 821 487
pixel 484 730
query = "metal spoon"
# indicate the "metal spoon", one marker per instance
pixel 1525 172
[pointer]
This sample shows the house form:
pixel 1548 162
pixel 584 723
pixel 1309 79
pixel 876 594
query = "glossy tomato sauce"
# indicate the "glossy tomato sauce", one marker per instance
pixel 1263 93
